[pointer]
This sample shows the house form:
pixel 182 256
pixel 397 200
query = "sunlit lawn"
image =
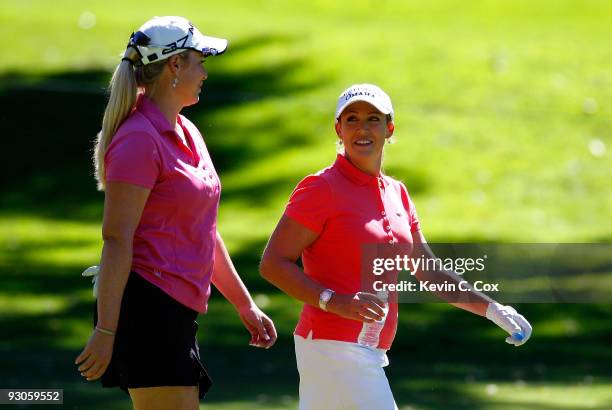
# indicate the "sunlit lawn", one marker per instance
pixel 503 134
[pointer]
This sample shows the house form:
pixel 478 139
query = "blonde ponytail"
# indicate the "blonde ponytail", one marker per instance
pixel 123 89
pixel 121 101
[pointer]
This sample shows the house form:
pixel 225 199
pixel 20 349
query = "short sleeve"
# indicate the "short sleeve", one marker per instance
pixel 410 209
pixel 134 159
pixel 311 203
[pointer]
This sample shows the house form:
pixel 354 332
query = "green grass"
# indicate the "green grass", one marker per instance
pixel 503 134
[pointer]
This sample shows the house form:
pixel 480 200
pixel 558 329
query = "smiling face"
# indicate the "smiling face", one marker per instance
pixel 363 131
pixel 191 76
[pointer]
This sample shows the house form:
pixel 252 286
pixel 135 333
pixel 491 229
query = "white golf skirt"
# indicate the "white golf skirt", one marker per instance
pixel 338 375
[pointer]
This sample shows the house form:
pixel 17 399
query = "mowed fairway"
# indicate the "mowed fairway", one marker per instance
pixel 503 134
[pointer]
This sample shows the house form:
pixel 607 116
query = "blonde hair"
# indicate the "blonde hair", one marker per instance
pixel 123 90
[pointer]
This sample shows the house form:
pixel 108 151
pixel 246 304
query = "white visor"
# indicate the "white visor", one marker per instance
pixel 369 93
pixel 169 35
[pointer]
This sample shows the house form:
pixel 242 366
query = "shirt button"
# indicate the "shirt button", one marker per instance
pixel 388 228
pixel 383 213
pixel 391 241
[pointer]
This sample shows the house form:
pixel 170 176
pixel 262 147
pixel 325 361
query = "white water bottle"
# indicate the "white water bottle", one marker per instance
pixel 370 332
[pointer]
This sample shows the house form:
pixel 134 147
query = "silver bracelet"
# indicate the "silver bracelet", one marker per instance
pixel 105 331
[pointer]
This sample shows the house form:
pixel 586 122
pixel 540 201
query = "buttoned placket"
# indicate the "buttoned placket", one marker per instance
pixel 194 157
pixel 380 189
pixel 190 148
pixel 151 111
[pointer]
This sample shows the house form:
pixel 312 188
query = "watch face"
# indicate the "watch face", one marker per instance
pixel 324 298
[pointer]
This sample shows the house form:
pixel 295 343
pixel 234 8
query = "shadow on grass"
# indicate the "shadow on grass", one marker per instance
pixel 51 122
pixel 431 365
pixel 439 351
pixel 48 173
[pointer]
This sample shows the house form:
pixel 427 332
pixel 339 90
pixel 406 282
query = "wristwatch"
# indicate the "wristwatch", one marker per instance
pixel 324 298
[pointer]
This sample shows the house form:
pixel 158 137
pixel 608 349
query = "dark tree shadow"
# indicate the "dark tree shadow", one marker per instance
pixel 50 123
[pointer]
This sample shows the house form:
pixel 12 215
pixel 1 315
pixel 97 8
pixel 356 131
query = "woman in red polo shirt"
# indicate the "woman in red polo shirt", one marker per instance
pixel 341 339
pixel 161 249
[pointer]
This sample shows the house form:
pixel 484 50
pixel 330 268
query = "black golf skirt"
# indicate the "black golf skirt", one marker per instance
pixel 156 342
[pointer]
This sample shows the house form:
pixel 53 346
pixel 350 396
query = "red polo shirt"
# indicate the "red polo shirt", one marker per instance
pixel 348 208
pixel 174 242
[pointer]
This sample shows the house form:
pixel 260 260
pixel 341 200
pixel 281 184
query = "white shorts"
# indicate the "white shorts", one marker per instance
pixel 338 375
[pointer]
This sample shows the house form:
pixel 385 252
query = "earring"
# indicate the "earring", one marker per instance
pixel 175 82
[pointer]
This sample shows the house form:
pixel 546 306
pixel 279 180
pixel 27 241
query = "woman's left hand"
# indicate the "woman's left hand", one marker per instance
pixel 511 321
pixel 260 326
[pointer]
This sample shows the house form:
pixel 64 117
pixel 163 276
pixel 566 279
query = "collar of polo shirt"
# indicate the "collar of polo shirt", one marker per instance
pixel 355 174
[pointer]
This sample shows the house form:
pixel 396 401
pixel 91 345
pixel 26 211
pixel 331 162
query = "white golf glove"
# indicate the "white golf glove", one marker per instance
pixel 508 319
pixel 93 271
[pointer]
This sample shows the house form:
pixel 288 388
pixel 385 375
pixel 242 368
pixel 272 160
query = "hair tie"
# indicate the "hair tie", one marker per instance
pixel 131 54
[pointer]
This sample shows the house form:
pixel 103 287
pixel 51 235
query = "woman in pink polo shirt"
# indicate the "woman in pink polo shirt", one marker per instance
pixel 341 338
pixel 161 245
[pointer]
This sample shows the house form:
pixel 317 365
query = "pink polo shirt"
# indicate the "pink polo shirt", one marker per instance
pixel 348 208
pixel 174 242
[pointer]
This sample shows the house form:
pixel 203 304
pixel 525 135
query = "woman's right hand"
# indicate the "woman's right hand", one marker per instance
pixel 96 356
pixel 360 306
